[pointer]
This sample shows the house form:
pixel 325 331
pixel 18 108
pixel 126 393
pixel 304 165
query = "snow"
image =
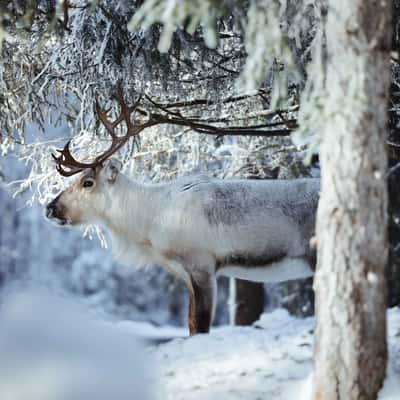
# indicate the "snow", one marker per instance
pixel 151 333
pixel 271 360
pixel 391 388
pixel 53 347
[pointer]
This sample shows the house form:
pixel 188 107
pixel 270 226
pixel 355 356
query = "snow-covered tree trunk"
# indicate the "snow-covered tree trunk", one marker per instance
pixel 350 351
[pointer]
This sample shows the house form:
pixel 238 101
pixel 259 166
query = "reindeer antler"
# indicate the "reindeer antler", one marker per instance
pixel 66 160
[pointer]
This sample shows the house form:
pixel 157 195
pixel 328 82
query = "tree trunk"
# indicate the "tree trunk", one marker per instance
pixel 249 301
pixel 350 346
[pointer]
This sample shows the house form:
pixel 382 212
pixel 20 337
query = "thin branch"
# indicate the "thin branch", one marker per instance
pixel 199 102
pixel 176 118
pixel 220 131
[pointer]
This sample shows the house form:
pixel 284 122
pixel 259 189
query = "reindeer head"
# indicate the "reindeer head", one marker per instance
pixel 90 194
pixel 88 197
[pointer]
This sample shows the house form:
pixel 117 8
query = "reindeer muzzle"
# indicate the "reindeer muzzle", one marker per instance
pixel 54 213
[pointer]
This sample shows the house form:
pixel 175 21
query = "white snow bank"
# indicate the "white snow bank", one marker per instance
pixel 51 349
pixel 268 362
pixel 391 388
pixel 272 360
pixel 151 333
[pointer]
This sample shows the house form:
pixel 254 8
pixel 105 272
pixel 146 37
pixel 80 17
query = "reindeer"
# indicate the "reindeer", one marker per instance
pixel 195 227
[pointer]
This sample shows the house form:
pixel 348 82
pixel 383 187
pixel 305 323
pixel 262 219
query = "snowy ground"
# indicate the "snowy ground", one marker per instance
pixel 272 360
pixel 53 348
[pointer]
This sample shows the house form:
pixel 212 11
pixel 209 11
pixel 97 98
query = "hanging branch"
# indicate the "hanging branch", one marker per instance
pixel 67 165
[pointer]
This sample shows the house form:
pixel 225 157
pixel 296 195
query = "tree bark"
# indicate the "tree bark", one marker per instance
pixel 350 347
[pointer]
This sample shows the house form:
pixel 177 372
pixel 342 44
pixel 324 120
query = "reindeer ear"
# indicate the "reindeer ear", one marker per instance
pixel 111 169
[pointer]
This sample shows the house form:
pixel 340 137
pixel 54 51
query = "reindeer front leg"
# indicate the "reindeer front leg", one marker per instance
pixel 202 290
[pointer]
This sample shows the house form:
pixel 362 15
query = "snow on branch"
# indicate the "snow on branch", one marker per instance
pixel 74 53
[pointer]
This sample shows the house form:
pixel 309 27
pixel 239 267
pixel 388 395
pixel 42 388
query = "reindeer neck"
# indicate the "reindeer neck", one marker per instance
pixel 134 208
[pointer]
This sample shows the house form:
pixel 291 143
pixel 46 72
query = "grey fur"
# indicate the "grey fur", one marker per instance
pixel 238 203
pixel 229 201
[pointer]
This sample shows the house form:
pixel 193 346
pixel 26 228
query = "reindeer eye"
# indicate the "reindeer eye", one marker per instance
pixel 88 183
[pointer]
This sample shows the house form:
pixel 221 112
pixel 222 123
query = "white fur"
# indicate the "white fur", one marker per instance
pixel 284 270
pixel 192 225
pixel 160 224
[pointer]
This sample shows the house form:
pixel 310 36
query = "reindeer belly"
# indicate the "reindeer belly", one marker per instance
pixel 283 269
